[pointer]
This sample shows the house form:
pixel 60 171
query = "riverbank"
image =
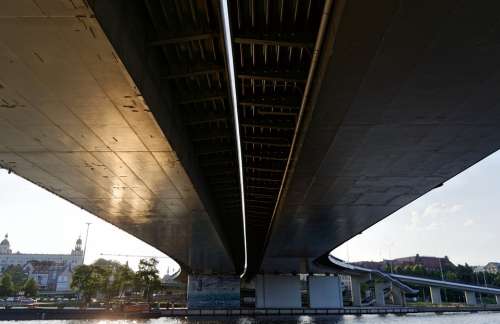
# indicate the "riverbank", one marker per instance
pixel 76 314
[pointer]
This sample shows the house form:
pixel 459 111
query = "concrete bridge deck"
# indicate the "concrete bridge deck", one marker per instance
pixel 349 111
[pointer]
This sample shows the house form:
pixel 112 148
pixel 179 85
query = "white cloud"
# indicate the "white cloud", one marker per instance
pixel 432 216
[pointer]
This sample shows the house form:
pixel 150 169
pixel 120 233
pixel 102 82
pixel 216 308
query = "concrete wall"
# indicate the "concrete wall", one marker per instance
pixel 277 291
pixel 435 295
pixel 379 293
pixel 470 298
pixel 325 292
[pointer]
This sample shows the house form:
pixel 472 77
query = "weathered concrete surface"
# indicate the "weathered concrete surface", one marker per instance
pixel 379 293
pixel 73 122
pixel 435 295
pixel 470 298
pixel 325 292
pixel 275 291
pixel 409 99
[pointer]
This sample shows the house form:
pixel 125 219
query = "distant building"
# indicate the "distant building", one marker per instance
pixel 492 267
pixel 50 276
pixel 52 272
pixel 429 263
pixel 7 258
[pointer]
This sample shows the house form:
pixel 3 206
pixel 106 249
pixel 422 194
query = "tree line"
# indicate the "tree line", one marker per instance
pixel 105 279
pixel 15 282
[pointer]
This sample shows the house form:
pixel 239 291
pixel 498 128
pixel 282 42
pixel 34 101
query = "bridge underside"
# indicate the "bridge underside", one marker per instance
pixel 73 122
pixel 403 98
pixel 409 99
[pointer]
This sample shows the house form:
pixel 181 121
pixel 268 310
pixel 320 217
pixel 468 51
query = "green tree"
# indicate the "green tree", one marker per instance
pixel 86 281
pixel 450 276
pixel 107 264
pixel 103 273
pixel 124 279
pixel 30 288
pixel 17 275
pixel 148 277
pixel 6 286
pixel 465 273
pixel 106 278
pixel 115 278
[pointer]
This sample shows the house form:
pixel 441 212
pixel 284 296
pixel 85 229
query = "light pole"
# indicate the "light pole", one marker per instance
pixel 480 295
pixel 86 239
pixel 390 245
pixel 442 279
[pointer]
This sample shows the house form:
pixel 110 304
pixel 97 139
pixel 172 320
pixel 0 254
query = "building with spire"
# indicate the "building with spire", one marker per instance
pixel 51 271
pixel 5 245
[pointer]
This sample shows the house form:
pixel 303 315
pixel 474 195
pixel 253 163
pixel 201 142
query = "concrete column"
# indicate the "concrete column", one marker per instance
pixel 436 295
pixel 325 292
pixel 470 298
pixel 356 291
pixel 397 296
pixel 275 291
pixel 379 293
pixel 210 291
pixel 497 297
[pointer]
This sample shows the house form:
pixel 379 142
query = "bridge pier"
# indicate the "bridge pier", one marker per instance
pixel 435 295
pixel 379 293
pixel 497 298
pixel 211 291
pixel 356 291
pixel 325 292
pixel 398 296
pixel 470 298
pixel 277 291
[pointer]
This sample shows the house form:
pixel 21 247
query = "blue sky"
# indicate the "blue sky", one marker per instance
pixel 460 220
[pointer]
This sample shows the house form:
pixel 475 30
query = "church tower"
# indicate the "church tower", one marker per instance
pixel 78 247
pixel 5 245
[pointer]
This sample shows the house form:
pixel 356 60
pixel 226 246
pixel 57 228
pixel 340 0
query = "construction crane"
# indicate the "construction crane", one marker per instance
pixel 135 256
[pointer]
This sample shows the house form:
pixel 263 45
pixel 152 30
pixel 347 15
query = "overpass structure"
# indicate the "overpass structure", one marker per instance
pixel 361 274
pixel 383 283
pixel 248 140
pixel 436 286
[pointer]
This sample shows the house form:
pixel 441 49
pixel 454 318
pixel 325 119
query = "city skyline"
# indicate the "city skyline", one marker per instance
pixel 47 213
pixel 454 220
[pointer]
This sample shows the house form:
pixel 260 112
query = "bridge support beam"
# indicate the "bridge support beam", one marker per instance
pixel 398 296
pixel 356 291
pixel 435 295
pixel 325 292
pixel 210 291
pixel 380 294
pixel 275 291
pixel 470 298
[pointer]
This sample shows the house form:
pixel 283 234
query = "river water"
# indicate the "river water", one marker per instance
pixel 477 318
